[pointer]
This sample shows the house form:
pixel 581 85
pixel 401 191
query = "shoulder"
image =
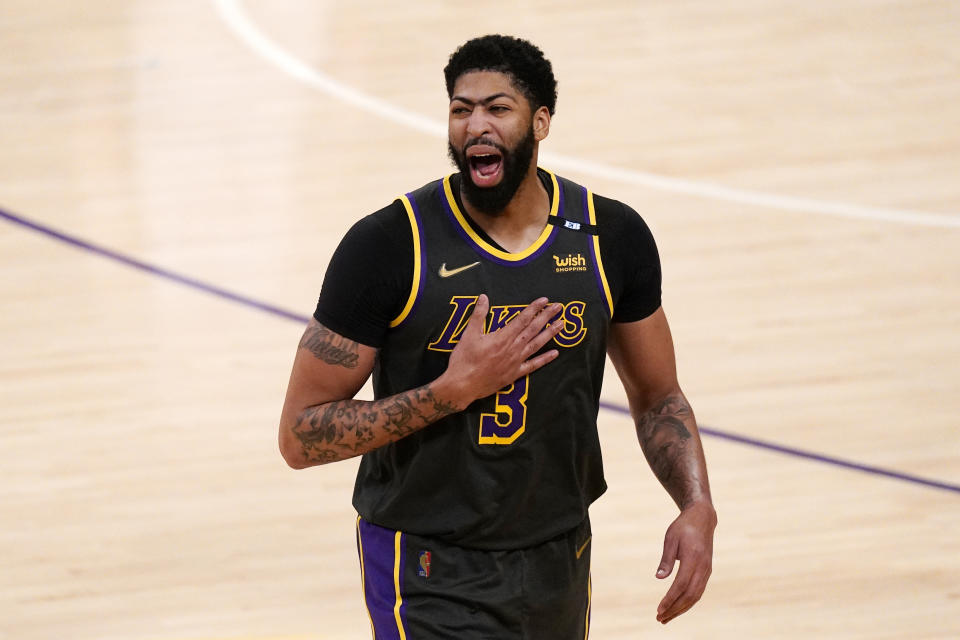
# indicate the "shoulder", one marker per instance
pixel 392 223
pixel 369 276
pixel 625 236
pixel 385 225
pixel 616 219
pixel 631 259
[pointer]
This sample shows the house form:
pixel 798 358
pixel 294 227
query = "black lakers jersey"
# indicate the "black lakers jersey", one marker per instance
pixel 521 466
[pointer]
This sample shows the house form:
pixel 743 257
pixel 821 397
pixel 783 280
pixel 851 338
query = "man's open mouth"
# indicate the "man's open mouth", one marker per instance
pixel 486 165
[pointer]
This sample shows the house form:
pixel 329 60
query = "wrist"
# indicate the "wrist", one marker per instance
pixel 704 507
pixel 452 392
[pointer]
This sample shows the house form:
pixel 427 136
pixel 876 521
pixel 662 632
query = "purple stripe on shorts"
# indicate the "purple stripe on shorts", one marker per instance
pixel 379 587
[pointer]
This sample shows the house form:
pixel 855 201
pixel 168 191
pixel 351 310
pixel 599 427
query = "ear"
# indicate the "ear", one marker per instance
pixel 541 123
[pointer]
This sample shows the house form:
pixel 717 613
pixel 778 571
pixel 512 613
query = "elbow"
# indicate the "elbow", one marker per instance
pixel 294 462
pixel 644 400
pixel 292 454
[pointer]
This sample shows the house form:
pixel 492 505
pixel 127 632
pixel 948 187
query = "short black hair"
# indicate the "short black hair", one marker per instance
pixel 520 59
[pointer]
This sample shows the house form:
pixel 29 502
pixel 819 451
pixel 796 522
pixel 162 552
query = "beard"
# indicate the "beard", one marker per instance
pixel 516 162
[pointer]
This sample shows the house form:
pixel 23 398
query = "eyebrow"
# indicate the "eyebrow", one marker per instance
pixel 486 100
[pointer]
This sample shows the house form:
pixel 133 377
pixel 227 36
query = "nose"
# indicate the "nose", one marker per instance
pixel 478 124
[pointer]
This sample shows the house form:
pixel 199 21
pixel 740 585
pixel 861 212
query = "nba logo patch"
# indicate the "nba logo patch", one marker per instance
pixel 424 571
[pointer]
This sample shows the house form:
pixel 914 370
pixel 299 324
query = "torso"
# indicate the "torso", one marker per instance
pixel 522 466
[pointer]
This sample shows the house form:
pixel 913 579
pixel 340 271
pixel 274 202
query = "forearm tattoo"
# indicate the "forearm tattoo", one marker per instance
pixel 330 347
pixel 665 439
pixel 346 428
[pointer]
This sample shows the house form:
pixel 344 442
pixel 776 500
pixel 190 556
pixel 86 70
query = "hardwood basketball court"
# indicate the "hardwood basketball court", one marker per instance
pixel 175 176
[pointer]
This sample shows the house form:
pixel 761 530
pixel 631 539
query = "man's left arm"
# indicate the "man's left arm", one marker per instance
pixel 643 355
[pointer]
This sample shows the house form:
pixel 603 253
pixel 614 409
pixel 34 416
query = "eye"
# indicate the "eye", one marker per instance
pixel 458 111
pixel 499 108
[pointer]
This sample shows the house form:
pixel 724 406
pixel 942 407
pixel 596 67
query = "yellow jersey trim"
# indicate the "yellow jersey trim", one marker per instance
pixel 415 286
pixel 489 248
pixel 596 252
pixel 396 584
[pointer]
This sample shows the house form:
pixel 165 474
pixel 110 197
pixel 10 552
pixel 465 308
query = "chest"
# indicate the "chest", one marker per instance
pixel 456 264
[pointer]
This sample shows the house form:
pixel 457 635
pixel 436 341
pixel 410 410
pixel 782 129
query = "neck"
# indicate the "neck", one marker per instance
pixel 522 221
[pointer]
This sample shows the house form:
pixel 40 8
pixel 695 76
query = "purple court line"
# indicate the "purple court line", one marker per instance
pixel 152 269
pixel 809 455
pixel 250 302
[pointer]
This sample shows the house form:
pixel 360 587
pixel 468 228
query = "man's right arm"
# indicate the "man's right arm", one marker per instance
pixel 321 422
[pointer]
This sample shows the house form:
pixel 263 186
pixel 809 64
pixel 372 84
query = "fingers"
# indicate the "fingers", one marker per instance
pixel 691 580
pixel 541 330
pixel 533 364
pixel 688 592
pixel 669 557
pixel 530 317
pixel 478 318
pixel 511 348
pixel 670 550
pixel 529 330
pixel 674 600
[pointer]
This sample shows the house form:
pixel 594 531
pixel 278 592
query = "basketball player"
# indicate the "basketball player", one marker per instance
pixel 484 304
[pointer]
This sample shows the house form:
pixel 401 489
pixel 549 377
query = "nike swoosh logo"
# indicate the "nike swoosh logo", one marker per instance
pixel 581 549
pixel 446 273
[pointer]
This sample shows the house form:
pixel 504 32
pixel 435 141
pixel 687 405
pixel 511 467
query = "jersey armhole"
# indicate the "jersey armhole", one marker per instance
pixel 595 250
pixel 419 260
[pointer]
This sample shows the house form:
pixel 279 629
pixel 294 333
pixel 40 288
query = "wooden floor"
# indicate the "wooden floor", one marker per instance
pixel 798 162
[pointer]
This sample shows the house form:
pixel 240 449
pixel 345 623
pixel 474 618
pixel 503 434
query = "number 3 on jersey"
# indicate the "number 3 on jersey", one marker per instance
pixel 510 417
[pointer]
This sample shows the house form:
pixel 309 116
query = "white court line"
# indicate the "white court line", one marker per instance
pixel 241 25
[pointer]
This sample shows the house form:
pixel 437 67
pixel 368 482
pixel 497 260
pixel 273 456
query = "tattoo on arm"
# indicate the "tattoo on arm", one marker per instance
pixel 665 439
pixel 330 347
pixel 346 428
